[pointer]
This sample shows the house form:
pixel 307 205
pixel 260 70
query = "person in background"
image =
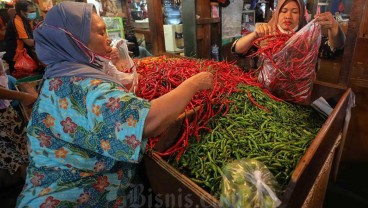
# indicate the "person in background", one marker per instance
pixel 138 51
pixel 86 134
pixel 11 10
pixel 289 14
pixel 4 19
pixel 19 33
pixel 259 13
pixel 13 144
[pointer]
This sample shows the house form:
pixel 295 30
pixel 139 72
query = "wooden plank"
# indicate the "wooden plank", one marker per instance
pixel 205 46
pixel 364 29
pixel 156 20
pixel 361 51
pixel 356 16
pixel 189 28
pixel 203 8
pixel 310 165
pixel 356 149
pixel 167 181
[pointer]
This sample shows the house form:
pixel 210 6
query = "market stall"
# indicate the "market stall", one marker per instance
pixel 306 181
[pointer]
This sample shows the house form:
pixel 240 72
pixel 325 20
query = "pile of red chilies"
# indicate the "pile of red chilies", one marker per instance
pixel 161 74
pixel 294 60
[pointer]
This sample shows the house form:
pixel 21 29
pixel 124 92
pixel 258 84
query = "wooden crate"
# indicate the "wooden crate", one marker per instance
pixel 308 182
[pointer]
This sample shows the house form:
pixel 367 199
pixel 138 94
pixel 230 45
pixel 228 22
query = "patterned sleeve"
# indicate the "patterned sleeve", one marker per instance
pixel 116 120
pixel 326 51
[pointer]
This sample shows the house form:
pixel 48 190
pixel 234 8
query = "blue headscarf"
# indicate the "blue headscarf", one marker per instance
pixel 59 42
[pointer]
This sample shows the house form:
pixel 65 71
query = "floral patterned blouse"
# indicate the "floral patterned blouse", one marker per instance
pixel 85 140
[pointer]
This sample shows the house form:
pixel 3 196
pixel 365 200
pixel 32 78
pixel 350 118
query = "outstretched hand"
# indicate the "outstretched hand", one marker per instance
pixel 326 20
pixel 263 30
pixel 114 55
pixel 204 80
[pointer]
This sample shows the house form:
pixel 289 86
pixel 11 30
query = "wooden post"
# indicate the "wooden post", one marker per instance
pixel 156 20
pixel 189 28
pixel 356 15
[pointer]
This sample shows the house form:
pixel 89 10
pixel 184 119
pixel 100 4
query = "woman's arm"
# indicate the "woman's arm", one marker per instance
pixel 336 35
pixel 25 98
pixel 165 109
pixel 245 43
pixel 29 42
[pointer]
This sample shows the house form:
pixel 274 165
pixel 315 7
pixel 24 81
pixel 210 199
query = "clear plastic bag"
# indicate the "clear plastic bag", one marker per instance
pixel 290 73
pixel 248 183
pixel 128 75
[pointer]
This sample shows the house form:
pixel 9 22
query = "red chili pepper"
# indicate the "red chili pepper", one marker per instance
pixel 165 74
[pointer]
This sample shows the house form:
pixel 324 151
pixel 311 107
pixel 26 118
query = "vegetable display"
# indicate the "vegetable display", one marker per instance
pixel 278 137
pixel 162 74
pixel 237 119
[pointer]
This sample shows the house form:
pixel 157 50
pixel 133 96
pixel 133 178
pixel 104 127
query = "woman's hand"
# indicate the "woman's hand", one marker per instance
pixel 203 80
pixel 327 21
pixel 165 109
pixel 336 35
pixel 114 55
pixel 263 30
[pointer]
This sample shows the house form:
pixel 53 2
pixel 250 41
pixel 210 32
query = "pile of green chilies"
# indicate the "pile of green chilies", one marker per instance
pixel 278 136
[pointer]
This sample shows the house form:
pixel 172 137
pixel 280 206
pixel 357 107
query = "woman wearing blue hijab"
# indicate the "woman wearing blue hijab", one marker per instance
pixel 86 133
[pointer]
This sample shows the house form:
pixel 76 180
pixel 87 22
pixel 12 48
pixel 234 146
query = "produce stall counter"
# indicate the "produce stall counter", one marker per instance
pixel 309 179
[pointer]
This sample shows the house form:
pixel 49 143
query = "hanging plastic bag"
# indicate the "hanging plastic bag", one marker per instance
pixel 248 183
pixel 289 73
pixel 127 74
pixel 24 65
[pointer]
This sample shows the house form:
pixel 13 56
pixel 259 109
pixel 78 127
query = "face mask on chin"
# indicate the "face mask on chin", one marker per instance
pixel 287 32
pixel 31 16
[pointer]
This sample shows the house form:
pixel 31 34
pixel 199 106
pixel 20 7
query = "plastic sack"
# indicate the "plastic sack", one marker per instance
pixel 248 183
pixel 24 65
pixel 290 73
pixel 128 75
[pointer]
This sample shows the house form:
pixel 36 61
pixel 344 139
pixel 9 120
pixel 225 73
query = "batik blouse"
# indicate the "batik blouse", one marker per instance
pixel 85 140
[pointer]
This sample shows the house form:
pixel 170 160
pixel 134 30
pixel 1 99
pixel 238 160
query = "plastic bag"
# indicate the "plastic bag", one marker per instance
pixel 290 73
pixel 128 76
pixel 248 183
pixel 24 65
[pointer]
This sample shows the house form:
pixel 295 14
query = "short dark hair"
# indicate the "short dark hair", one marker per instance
pixel 22 5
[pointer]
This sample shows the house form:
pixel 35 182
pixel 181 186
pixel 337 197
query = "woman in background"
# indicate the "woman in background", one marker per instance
pixel 4 19
pixel 138 51
pixel 19 33
pixel 13 143
pixel 289 15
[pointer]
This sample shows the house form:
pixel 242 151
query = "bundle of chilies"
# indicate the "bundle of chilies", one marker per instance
pixel 160 75
pixel 288 68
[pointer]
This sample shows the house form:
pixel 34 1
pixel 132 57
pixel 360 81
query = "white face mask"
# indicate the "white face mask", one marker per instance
pixel 287 32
